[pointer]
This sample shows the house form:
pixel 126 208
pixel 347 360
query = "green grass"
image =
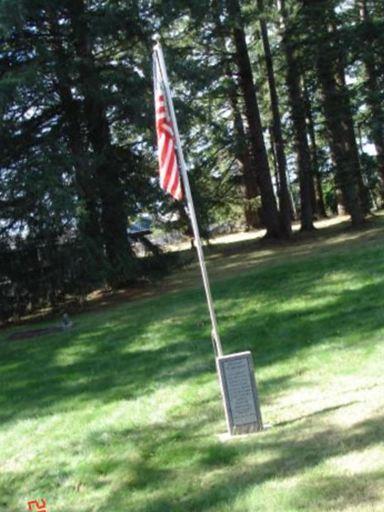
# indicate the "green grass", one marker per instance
pixel 123 413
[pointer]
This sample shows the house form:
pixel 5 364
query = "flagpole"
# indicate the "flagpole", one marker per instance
pixel 184 174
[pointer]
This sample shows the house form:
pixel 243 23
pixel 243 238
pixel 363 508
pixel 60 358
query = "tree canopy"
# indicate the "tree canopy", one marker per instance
pixel 279 103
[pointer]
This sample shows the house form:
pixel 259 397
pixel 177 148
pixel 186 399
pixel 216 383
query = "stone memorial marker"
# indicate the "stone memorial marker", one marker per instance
pixel 238 387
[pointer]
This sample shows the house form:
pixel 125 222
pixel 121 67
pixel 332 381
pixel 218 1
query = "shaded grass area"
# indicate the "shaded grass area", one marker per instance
pixel 123 412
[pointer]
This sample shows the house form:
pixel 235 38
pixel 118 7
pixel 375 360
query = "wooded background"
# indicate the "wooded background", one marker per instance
pixel 279 103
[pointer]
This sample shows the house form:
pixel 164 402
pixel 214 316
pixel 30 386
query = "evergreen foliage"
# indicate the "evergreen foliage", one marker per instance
pixel 280 107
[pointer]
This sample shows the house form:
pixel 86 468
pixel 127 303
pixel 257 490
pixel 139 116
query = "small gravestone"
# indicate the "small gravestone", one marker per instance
pixel 238 387
pixel 66 322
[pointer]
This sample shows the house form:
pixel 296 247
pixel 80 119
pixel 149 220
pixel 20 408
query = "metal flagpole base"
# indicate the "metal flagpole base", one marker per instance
pixel 215 345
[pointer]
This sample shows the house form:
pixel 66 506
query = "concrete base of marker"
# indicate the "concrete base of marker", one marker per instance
pixel 225 437
pixel 239 392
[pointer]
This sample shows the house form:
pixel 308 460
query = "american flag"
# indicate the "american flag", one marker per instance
pixel 168 165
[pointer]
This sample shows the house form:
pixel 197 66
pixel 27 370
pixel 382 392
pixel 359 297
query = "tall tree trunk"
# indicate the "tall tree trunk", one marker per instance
pixel 284 196
pixel 244 157
pixel 113 214
pixel 297 107
pixel 87 188
pixel 378 50
pixel 333 99
pixel 270 214
pixel 320 206
pixel 275 171
pixel 374 96
pixel 340 64
pixel 362 188
pixel 345 175
pixel 241 146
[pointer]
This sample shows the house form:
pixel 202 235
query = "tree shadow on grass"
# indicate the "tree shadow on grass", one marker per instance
pixel 174 466
pixel 339 492
pixel 198 474
pixel 274 336
pixel 107 369
pixel 246 255
pixel 110 363
pixel 314 414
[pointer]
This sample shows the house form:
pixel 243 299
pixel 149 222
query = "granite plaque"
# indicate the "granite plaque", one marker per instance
pixel 238 387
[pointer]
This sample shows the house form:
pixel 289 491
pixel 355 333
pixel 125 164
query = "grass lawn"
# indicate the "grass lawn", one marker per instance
pixel 123 413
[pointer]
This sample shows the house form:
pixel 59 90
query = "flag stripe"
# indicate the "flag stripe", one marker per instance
pixel 169 173
pixel 168 169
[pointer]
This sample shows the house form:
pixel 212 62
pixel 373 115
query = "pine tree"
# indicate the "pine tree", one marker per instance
pixel 318 16
pixel 374 95
pixel 283 190
pixel 319 195
pixel 297 105
pixel 89 219
pixel 270 214
pixel 241 145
